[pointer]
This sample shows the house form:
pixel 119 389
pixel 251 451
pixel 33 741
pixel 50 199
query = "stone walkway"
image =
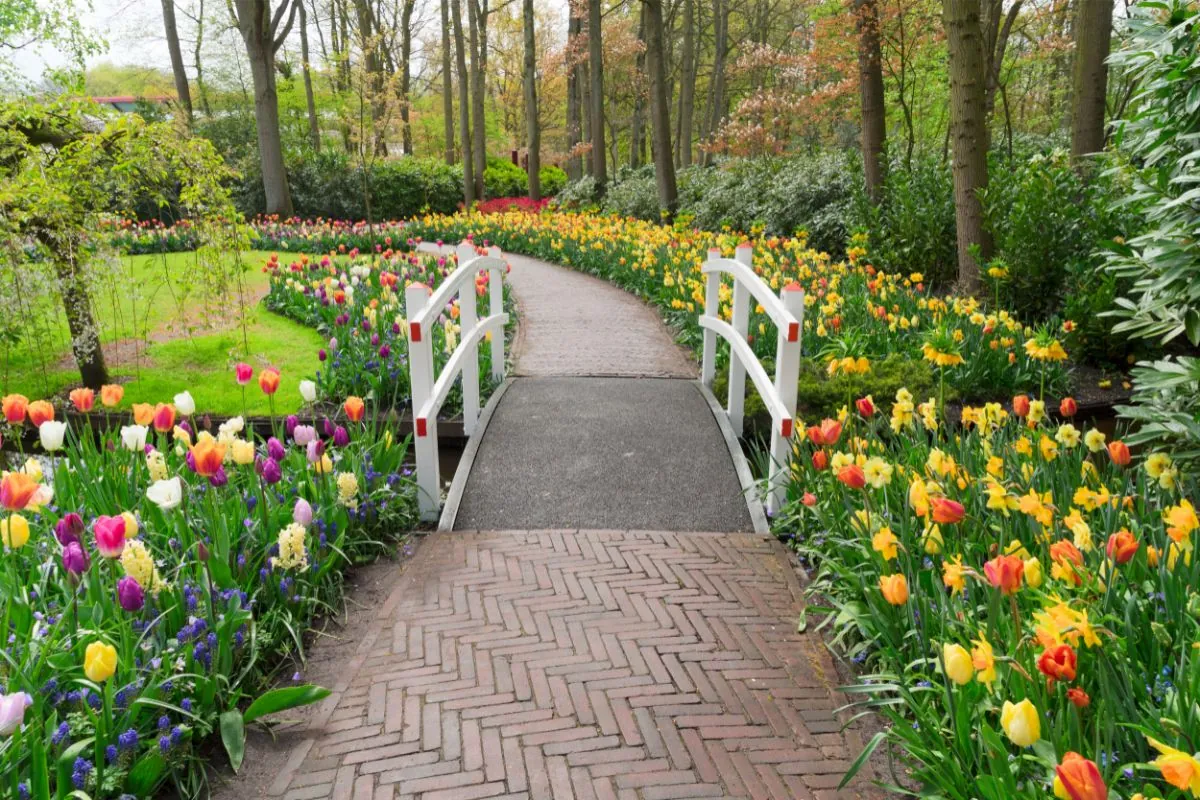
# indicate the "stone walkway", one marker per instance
pixel 581 664
pixel 575 325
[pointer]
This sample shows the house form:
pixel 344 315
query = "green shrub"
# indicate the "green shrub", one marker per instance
pixel 578 194
pixel 552 179
pixel 502 178
pixel 633 193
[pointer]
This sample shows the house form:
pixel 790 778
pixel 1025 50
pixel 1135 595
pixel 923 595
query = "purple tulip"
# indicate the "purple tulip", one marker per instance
pixel 341 437
pixel 183 423
pixel 304 434
pixel 275 449
pixel 385 351
pixel 190 460
pixel 328 427
pixel 302 513
pixel 219 478
pixel 290 423
pixel 69 529
pixel 271 473
pixel 130 594
pixel 75 558
pixel 322 355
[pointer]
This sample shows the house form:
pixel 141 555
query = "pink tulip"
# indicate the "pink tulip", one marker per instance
pixel 12 711
pixel 110 536
pixel 244 373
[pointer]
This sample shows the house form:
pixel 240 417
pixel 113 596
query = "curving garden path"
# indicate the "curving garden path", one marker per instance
pixel 577 663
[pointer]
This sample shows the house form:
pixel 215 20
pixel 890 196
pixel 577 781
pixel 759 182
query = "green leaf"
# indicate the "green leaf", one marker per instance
pixel 233 736
pixel 145 775
pixel 862 758
pixel 278 700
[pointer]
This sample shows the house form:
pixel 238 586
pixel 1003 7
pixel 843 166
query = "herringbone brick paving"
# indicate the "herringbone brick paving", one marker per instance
pixel 591 665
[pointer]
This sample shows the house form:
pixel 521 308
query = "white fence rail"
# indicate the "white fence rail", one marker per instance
pixel 429 389
pixel 779 395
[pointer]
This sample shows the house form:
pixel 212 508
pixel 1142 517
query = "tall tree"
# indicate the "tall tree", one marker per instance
pixel 596 76
pixel 263 32
pixel 660 106
pixel 968 134
pixel 464 104
pixel 574 94
pixel 870 92
pixel 477 15
pixel 406 15
pixel 314 126
pixel 716 87
pixel 447 84
pixel 532 123
pixel 176 52
pixel 1093 37
pixel 371 42
pixel 687 85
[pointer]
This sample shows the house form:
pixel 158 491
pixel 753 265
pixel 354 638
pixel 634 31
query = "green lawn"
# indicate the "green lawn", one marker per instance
pixel 184 316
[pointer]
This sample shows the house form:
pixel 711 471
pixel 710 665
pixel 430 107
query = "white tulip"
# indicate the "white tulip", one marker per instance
pixel 166 494
pixel 133 437
pixel 184 404
pixel 231 427
pixel 52 433
pixel 308 390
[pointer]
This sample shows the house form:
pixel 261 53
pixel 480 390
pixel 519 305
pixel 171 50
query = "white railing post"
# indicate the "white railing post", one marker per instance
pixel 420 361
pixel 740 322
pixel 787 374
pixel 468 316
pixel 496 298
pixel 712 306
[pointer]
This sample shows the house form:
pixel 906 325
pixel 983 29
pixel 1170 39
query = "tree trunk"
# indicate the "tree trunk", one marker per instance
pixel 687 86
pixel 314 127
pixel 196 63
pixel 478 28
pixel 464 105
pixel 1093 37
pixel 406 75
pixel 574 101
pixel 596 76
pixel 639 103
pixel 968 134
pixel 716 97
pixel 263 33
pixel 368 33
pixel 77 305
pixel 660 106
pixel 871 97
pixel 447 84
pixel 177 69
pixel 531 105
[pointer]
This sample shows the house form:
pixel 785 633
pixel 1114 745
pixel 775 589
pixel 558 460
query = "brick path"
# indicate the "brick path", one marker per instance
pixel 575 325
pixel 588 665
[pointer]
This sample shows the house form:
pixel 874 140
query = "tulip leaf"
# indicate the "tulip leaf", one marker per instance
pixel 866 753
pixel 66 765
pixel 283 699
pixel 145 775
pixel 233 736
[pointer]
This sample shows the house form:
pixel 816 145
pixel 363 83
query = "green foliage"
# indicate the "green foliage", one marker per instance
pixel 552 180
pixel 502 178
pixel 1160 137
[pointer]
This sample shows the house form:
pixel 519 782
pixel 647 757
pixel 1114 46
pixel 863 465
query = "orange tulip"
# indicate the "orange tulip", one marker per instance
pixel 1068 407
pixel 143 413
pixel 208 455
pixel 1079 779
pixel 947 511
pixel 83 398
pixel 16 490
pixel 354 408
pixel 894 588
pixel 1069 560
pixel 1058 663
pixel 164 417
pixel 40 411
pixel 1122 546
pixel 820 460
pixel 111 394
pixel 268 380
pixel 827 433
pixel 1118 451
pixel 1079 698
pixel 809 499
pixel 1020 405
pixel 15 406
pixel 1005 573
pixel 853 476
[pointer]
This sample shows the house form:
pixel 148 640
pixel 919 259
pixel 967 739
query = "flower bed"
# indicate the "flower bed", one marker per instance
pixel 1020 594
pixel 152 582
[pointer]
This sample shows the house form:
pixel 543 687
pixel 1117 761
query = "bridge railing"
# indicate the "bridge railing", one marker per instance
pixel 430 388
pixel 779 395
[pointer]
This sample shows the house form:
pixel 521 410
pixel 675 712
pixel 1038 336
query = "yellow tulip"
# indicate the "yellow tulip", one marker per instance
pixel 99 661
pixel 14 531
pixel 957 663
pixel 1021 722
pixel 131 524
pixel 243 452
pixel 1033 573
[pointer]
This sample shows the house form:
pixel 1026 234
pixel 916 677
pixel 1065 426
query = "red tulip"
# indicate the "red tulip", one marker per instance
pixel 852 476
pixel 1058 663
pixel 1068 407
pixel 865 406
pixel 820 460
pixel 1122 546
pixel 827 433
pixel 164 417
pixel 809 499
pixel 1080 778
pixel 1079 698
pixel 1020 405
pixel 243 372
